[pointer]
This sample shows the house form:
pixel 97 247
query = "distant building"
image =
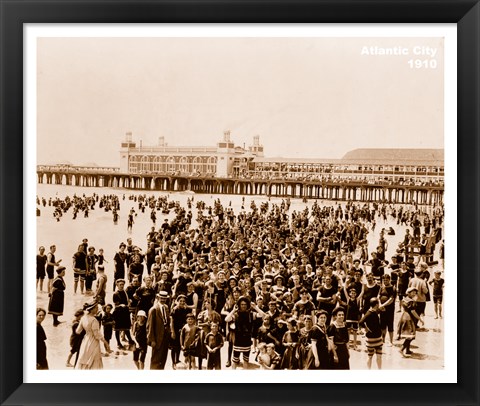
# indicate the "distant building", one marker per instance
pixel 223 160
pixel 374 165
pixel 226 160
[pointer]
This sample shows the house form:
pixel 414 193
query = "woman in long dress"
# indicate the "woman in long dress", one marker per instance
pixel 338 333
pixel 90 356
pixel 290 341
pixel 178 318
pixel 205 318
pixel 42 362
pixel 406 325
pixel 57 297
pixel 304 342
pixel 319 354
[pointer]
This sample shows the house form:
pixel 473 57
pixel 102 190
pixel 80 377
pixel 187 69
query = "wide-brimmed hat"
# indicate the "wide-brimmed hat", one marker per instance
pixel 89 306
pixel 338 309
pixel 244 299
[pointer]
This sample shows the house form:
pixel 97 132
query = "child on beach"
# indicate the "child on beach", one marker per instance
pixel 107 322
pixel 214 341
pixel 438 284
pixel 75 339
pixel 353 315
pixel 274 357
pixel 189 336
pixel 101 257
pixel 140 334
pixel 262 357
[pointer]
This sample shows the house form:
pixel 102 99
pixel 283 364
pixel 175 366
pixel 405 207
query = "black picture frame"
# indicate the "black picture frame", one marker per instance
pixel 15 13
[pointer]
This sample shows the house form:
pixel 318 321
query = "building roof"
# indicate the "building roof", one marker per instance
pixel 297 160
pixel 66 163
pixel 372 156
pixel 395 154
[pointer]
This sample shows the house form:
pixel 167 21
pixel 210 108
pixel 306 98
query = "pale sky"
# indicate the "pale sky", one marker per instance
pixel 304 97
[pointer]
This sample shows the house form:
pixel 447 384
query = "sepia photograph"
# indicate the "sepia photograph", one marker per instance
pixel 249 202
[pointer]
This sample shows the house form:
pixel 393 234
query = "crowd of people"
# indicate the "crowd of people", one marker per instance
pixel 280 289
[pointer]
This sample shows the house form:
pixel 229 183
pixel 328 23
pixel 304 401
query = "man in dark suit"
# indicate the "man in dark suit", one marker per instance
pixel 158 331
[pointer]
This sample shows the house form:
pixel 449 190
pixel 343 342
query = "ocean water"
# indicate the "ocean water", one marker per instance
pixel 101 232
pixel 234 201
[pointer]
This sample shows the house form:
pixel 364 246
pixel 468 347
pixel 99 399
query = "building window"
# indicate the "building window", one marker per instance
pixel 171 167
pixel 156 164
pixel 212 165
pixel 145 164
pixel 184 165
pixel 197 165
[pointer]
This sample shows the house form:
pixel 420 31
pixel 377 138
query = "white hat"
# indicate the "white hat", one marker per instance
pixel 141 313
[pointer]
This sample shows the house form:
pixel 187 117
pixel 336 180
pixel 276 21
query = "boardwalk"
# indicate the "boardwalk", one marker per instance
pixel 423 193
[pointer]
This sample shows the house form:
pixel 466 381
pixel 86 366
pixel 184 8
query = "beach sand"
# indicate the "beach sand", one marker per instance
pixel 67 234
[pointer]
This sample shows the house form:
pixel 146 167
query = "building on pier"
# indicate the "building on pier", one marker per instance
pixel 375 166
pixel 226 160
pixel 222 160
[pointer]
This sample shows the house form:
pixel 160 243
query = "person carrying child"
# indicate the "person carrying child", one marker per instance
pixel 275 358
pixel 262 357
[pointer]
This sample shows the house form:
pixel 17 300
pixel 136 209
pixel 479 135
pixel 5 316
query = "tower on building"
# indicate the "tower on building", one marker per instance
pixel 225 154
pixel 256 149
pixel 126 145
pixel 226 143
